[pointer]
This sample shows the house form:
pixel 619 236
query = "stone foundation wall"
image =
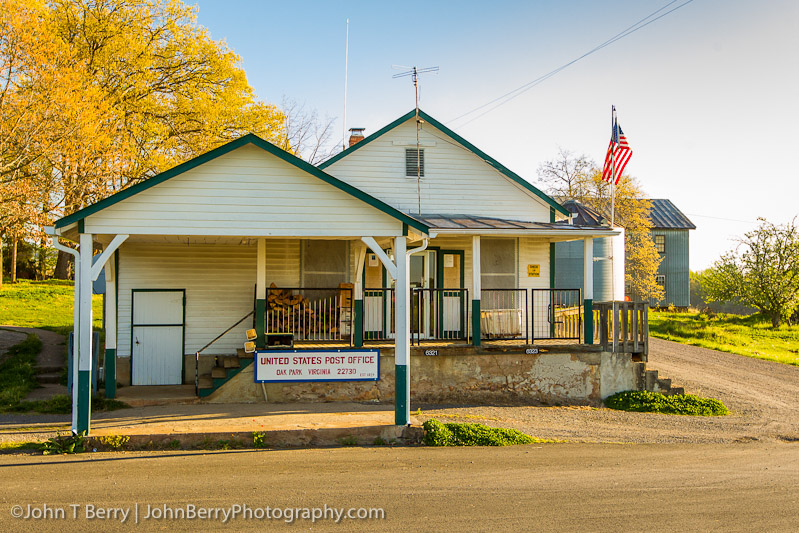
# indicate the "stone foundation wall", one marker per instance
pixel 569 378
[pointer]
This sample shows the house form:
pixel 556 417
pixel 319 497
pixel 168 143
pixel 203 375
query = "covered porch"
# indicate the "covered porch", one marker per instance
pixel 248 237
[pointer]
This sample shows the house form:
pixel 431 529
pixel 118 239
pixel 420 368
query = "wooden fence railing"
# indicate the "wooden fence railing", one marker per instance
pixel 622 327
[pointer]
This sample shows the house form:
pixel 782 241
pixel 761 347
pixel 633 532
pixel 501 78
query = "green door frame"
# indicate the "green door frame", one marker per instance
pixel 183 329
pixel 440 281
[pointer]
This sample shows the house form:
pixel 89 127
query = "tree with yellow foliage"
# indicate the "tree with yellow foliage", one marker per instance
pixel 101 94
pixel 570 177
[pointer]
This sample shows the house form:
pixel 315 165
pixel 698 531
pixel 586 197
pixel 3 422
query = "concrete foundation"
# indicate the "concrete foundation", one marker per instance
pixel 577 376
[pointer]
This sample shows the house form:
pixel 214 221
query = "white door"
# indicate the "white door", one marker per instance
pixel 157 337
pixel 452 301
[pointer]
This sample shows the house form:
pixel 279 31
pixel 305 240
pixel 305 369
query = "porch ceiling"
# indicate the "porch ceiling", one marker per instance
pixel 218 239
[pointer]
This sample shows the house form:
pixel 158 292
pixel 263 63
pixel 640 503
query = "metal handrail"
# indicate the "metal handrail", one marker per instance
pixel 548 307
pixel 327 313
pixel 432 301
pixel 384 313
pixel 500 302
pixel 197 353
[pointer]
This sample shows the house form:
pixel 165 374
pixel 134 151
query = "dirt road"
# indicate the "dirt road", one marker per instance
pixel 763 397
pixel 554 487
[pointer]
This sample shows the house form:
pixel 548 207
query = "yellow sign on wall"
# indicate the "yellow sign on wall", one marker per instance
pixel 533 271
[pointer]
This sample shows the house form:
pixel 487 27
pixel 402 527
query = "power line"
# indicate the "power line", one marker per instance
pixel 507 97
pixel 721 218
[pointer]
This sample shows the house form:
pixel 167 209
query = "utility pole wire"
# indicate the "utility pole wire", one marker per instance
pixel 507 97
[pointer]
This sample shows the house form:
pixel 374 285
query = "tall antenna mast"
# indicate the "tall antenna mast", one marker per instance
pixel 346 61
pixel 414 73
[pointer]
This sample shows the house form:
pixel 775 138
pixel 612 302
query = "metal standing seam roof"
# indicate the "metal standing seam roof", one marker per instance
pixel 585 216
pixel 470 222
pixel 665 215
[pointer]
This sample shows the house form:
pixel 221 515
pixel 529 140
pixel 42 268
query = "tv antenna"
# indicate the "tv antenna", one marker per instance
pixel 414 73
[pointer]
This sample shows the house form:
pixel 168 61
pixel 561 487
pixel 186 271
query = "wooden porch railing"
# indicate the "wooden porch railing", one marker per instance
pixel 629 321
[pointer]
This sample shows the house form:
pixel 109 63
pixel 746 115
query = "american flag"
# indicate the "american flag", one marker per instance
pixel 618 143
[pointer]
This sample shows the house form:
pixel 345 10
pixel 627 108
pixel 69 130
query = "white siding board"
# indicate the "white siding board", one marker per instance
pixel 245 192
pixel 283 262
pixel 536 252
pixel 533 251
pixel 456 181
pixel 219 281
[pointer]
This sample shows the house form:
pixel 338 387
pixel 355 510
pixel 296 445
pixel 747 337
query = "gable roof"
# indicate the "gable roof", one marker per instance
pixel 665 215
pixel 460 140
pixel 229 147
pixel 584 215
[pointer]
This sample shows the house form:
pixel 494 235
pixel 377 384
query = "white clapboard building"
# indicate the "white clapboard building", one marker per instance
pixel 390 244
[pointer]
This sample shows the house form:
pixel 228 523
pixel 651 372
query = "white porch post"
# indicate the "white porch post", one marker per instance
pixel 260 295
pixel 402 344
pixel 476 287
pixel 83 390
pixel 588 291
pixel 110 365
pixel 357 297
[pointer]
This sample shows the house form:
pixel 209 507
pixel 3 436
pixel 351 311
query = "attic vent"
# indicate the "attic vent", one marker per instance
pixel 411 168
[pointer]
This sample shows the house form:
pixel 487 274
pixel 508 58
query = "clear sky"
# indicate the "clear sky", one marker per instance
pixel 708 95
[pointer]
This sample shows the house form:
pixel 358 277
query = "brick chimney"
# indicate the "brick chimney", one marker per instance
pixel 356 135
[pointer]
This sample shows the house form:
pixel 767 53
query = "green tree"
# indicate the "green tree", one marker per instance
pixel 573 177
pixel 762 272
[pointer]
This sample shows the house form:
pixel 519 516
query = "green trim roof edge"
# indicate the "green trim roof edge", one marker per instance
pixel 250 138
pixel 469 146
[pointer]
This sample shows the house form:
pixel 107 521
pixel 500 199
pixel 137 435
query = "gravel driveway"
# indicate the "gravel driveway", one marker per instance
pixel 763 397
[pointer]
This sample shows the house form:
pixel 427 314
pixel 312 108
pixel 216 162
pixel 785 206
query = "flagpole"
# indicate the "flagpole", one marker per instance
pixel 614 142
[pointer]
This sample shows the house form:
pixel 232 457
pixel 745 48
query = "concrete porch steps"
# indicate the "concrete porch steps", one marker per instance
pixel 225 368
pixel 653 383
pixel 49 377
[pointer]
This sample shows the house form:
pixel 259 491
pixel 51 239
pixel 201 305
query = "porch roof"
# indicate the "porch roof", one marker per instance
pixel 477 225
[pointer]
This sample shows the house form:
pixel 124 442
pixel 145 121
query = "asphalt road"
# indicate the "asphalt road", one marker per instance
pixel 553 487
pixel 763 397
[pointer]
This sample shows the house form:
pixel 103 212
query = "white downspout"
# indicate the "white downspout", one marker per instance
pixel 422 248
pixel 50 230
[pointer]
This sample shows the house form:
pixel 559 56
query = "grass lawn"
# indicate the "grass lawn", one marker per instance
pixel 43 304
pixel 751 335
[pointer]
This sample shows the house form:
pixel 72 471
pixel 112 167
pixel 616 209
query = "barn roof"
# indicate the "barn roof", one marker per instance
pixel 665 215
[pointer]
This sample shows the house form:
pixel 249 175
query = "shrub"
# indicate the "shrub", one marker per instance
pixel 115 442
pixel 64 444
pixel 455 434
pixel 259 439
pixel 349 440
pixel 437 434
pixel 654 402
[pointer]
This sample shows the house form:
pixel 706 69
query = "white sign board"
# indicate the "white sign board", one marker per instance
pixel 273 366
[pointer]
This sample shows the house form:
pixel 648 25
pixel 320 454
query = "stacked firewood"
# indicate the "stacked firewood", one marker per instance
pixel 289 312
pixel 286 299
